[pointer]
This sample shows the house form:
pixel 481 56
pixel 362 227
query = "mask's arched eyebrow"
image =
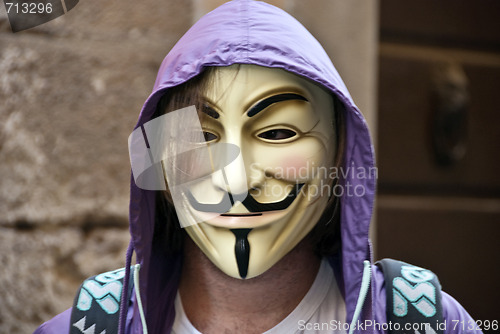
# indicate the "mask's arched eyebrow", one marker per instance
pixel 210 111
pixel 274 99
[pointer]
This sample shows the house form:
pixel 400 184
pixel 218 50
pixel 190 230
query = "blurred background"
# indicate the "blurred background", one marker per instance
pixel 438 203
pixel 426 75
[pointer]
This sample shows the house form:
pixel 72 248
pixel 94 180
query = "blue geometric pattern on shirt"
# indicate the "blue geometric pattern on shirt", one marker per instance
pixel 105 289
pixel 414 287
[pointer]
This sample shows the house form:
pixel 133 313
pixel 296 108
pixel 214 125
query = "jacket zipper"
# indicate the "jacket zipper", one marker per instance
pixel 137 268
pixel 365 284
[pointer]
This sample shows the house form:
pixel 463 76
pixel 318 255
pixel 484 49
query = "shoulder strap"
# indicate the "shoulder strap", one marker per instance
pixel 413 298
pixel 97 304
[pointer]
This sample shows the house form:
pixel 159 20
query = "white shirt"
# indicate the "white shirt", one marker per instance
pixel 321 311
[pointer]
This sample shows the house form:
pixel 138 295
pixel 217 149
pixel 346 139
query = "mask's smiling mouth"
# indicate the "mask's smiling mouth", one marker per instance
pixel 241 214
pixel 248 201
pixel 258 214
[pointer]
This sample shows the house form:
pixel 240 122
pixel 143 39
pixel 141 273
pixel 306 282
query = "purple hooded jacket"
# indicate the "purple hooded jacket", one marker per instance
pixel 253 32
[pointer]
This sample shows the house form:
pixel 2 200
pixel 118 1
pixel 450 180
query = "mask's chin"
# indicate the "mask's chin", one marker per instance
pixel 246 244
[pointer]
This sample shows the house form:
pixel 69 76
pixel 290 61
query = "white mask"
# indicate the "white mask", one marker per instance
pixel 250 180
pixel 278 189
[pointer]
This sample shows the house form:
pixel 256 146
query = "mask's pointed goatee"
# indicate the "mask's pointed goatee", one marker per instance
pixel 242 250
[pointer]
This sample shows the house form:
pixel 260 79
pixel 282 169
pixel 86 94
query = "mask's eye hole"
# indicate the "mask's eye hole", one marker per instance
pixel 277 134
pixel 209 136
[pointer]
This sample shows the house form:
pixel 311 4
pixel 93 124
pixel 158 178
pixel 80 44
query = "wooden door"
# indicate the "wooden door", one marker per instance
pixel 439 144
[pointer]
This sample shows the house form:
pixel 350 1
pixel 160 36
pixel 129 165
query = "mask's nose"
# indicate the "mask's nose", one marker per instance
pixel 232 178
pixel 242 171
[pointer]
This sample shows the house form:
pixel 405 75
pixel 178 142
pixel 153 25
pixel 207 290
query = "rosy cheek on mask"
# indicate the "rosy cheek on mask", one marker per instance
pixel 296 163
pixel 294 169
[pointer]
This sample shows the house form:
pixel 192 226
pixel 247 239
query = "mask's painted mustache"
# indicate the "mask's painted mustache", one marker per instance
pixel 248 201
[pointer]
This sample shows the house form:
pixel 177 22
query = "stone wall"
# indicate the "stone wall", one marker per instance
pixel 70 93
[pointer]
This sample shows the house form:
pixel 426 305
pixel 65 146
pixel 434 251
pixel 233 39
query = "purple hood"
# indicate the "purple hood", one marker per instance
pixel 252 32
